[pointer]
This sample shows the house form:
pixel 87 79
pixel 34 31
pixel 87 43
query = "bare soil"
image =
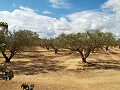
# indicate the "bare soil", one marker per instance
pixel 64 71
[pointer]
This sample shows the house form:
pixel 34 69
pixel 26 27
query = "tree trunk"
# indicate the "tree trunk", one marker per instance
pixel 84 60
pixel 47 48
pixel 84 56
pixel 7 59
pixel 5 56
pixel 106 48
pixel 56 50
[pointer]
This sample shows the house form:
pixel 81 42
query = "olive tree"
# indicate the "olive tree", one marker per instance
pixel 45 43
pixel 53 43
pixel 18 41
pixel 108 39
pixel 84 43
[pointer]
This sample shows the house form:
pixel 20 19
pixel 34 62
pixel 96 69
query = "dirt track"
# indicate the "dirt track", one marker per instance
pixel 63 71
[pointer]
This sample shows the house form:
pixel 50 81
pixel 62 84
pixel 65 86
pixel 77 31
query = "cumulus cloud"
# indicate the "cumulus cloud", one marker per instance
pixel 26 18
pixel 106 20
pixel 64 4
pixel 89 20
pixel 62 24
pixel 114 7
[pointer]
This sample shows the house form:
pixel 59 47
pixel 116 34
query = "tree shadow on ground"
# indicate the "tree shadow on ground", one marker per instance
pixel 100 65
pixel 35 66
pixel 38 54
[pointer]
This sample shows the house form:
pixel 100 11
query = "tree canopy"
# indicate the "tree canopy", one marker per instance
pixel 85 43
pixel 18 41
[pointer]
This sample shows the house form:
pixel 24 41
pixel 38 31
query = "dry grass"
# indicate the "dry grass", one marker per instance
pixel 64 71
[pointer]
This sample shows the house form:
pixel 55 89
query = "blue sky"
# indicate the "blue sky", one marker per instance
pixel 46 5
pixel 50 18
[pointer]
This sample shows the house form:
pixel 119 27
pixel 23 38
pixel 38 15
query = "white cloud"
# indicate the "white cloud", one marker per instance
pixel 62 24
pixel 60 4
pixel 106 20
pixel 47 12
pixel 114 7
pixel 26 18
pixel 89 20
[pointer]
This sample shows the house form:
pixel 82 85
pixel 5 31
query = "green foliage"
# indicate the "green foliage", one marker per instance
pixel 18 41
pixel 15 41
pixel 44 43
pixel 79 41
pixel 25 37
pixel 108 40
pixel 85 43
pixel 5 73
pixel 25 86
pixel 4 25
pixel 2 47
pixel 3 31
pixel 50 43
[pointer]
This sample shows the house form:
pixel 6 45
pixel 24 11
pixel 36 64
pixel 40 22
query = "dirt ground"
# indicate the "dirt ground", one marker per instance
pixel 64 71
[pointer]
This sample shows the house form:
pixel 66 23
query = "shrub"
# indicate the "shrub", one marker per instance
pixel 25 86
pixel 5 73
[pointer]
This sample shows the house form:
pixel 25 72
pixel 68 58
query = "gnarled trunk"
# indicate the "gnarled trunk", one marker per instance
pixel 106 48
pixel 84 60
pixel 7 59
pixel 56 50
pixel 84 56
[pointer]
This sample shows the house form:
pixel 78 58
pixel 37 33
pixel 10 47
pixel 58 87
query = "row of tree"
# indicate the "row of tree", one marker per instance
pixel 84 43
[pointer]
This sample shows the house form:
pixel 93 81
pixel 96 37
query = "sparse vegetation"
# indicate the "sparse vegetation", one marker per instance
pixel 93 44
pixel 5 73
pixel 25 86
